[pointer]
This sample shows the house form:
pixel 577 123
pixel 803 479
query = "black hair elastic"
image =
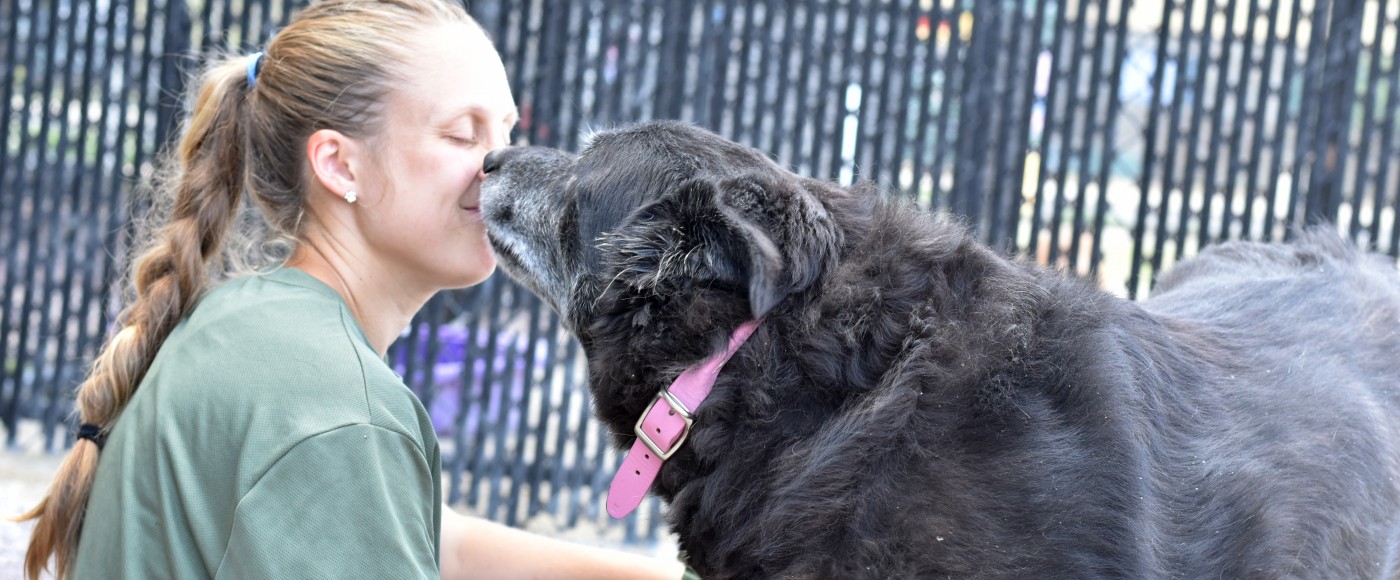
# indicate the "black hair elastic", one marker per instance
pixel 92 433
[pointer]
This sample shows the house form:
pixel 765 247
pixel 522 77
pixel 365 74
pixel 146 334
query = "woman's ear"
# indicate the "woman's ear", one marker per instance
pixel 331 155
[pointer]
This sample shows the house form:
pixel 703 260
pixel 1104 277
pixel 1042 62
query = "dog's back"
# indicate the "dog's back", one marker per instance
pixel 1243 422
pixel 1298 440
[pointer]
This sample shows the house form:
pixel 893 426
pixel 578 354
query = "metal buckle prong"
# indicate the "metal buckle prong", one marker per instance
pixel 677 406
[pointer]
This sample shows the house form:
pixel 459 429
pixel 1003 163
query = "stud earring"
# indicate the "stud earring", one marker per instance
pixel 350 196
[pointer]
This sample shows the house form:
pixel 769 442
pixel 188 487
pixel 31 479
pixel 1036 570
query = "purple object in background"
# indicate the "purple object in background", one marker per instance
pixel 445 405
pixel 446 374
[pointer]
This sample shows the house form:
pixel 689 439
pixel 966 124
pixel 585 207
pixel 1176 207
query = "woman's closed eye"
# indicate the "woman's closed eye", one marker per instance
pixel 467 139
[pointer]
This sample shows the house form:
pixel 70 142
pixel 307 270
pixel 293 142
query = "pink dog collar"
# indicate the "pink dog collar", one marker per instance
pixel 663 428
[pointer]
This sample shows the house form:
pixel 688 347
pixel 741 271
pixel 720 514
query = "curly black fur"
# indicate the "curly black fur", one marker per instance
pixel 916 406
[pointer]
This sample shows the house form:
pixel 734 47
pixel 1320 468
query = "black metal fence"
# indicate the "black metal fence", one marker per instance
pixel 1107 137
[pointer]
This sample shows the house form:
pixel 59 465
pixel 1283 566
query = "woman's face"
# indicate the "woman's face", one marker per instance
pixel 420 208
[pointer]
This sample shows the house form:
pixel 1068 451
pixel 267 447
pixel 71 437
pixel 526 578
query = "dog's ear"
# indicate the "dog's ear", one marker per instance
pixel 764 232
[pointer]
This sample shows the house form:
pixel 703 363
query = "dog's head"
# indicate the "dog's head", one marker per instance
pixel 658 221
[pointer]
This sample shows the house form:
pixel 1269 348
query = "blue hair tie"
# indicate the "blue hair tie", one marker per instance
pixel 254 64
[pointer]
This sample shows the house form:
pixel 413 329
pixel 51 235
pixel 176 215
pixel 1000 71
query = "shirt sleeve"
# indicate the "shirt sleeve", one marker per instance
pixel 354 502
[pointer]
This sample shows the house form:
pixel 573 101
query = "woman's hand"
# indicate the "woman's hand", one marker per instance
pixel 476 548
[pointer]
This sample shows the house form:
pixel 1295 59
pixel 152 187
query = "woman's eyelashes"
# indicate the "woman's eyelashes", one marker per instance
pixel 471 136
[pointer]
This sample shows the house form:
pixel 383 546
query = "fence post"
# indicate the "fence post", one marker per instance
pixel 976 118
pixel 9 199
pixel 1333 121
pixel 675 42
pixel 172 76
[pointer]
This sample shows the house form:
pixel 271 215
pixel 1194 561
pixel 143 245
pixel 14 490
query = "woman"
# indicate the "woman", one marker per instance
pixel 252 428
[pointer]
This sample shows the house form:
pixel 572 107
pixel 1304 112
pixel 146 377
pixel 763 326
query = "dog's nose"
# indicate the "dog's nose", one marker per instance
pixel 495 159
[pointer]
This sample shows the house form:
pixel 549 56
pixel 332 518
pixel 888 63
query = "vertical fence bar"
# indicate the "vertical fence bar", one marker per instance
pixel 469 391
pixel 892 152
pixel 903 29
pixel 1032 137
pixel 1008 157
pixel 1048 151
pixel 1332 148
pixel 671 53
pixel 1252 180
pixel 1181 79
pixel 794 138
pixel 1388 155
pixel 1363 154
pixel 1309 125
pixel 1071 108
pixel 862 167
pixel 1149 158
pixel 970 168
pixel 10 197
pixel 1217 123
pixel 1107 146
pixel 1089 128
pixel 952 81
pixel 1281 134
pixel 781 68
pixel 1240 93
pixel 1189 178
pixel 740 128
pixel 842 89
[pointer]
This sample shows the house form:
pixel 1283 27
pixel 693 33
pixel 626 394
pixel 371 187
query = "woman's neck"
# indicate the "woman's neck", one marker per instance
pixel 382 304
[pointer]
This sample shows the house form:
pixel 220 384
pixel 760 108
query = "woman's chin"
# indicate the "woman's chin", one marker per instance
pixel 476 274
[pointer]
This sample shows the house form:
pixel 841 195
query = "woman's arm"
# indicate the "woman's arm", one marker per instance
pixel 477 548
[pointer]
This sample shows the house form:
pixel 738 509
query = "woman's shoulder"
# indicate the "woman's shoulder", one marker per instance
pixel 280 345
pixel 284 302
pixel 282 316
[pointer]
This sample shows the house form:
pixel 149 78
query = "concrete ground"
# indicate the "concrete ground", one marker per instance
pixel 24 477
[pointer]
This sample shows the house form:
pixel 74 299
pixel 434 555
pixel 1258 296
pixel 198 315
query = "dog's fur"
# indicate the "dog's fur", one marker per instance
pixel 916 406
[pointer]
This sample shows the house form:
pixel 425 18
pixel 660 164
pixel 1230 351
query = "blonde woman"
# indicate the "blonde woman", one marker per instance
pixel 249 427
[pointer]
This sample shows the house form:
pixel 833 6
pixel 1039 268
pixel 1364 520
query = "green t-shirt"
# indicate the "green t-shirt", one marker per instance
pixel 268 440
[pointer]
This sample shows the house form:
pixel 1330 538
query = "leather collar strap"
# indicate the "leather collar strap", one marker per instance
pixel 664 426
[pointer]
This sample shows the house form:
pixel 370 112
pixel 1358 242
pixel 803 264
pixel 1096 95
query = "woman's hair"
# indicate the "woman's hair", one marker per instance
pixel 331 68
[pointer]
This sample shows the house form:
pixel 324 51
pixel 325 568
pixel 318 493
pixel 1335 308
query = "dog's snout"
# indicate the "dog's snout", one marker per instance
pixel 495 159
pixel 492 161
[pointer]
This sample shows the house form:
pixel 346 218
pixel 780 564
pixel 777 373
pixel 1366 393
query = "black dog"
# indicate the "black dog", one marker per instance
pixel 913 405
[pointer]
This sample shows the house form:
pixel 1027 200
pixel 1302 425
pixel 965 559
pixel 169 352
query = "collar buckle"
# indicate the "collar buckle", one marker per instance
pixel 676 407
